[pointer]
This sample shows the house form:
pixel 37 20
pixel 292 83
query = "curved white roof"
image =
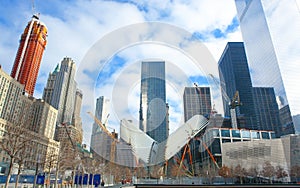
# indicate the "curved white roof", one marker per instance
pixel 148 150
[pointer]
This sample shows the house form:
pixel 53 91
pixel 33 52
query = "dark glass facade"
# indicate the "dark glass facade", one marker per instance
pixel 267 109
pixel 153 107
pixel 272 50
pixel 235 76
pixel 196 100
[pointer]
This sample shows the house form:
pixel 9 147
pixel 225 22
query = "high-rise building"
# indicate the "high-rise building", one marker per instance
pixel 286 120
pixel 196 100
pixel 28 59
pixel 266 108
pixel 10 98
pixel 271 48
pixel 60 91
pixel 235 76
pixel 153 108
pixel 29 116
pixel 48 90
pixel 44 118
pixel 100 141
pixel 76 120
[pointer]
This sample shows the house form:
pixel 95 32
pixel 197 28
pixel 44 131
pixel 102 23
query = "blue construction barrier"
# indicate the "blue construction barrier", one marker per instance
pixel 23 179
pixel 41 179
pixel 84 179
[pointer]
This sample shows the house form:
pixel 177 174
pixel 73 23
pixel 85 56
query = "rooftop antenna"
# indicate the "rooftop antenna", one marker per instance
pixel 33 8
pixel 34 14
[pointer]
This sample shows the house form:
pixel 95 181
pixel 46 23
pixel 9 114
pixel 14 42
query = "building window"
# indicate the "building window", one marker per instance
pixel 226 140
pixel 245 134
pixel 225 133
pixel 236 133
pixel 265 135
pixel 215 132
pixel 273 135
pixel 255 135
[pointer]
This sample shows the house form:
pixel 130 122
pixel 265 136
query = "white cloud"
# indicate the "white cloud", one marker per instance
pixel 83 23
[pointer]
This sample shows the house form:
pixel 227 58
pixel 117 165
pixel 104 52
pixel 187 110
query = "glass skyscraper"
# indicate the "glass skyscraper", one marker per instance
pixel 235 76
pixel 266 108
pixel 153 107
pixel 270 31
pixel 196 100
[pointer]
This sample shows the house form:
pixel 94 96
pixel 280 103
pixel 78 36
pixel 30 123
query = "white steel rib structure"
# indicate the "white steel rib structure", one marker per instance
pixel 151 152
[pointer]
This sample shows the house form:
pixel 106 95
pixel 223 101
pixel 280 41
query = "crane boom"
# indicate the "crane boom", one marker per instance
pixel 101 125
pixel 111 135
pixel 233 103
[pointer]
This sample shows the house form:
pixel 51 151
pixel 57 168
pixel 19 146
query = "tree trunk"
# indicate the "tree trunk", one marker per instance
pixel 93 180
pixel 88 181
pixel 9 171
pixel 18 176
pixel 82 178
pixel 56 176
pixel 73 178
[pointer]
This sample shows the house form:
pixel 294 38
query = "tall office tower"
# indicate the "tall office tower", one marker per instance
pixel 196 100
pixel 272 52
pixel 76 119
pixel 286 120
pixel 28 59
pixel 44 118
pixel 48 90
pixel 100 141
pixel 10 98
pixel 167 120
pixel 235 76
pixel 60 91
pixel 266 108
pixel 153 109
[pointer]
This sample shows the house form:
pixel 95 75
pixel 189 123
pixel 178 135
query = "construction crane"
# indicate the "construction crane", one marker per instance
pixel 113 135
pixel 213 111
pixel 205 146
pixel 104 123
pixel 233 103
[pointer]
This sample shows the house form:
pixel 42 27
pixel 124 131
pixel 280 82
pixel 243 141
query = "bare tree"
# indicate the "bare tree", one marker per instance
pixel 176 171
pixel 14 142
pixel 50 163
pixel 94 168
pixel 209 172
pixel 140 171
pixel 253 172
pixel 239 172
pixel 225 172
pixel 280 173
pixel 20 159
pixel 295 171
pixel 268 170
